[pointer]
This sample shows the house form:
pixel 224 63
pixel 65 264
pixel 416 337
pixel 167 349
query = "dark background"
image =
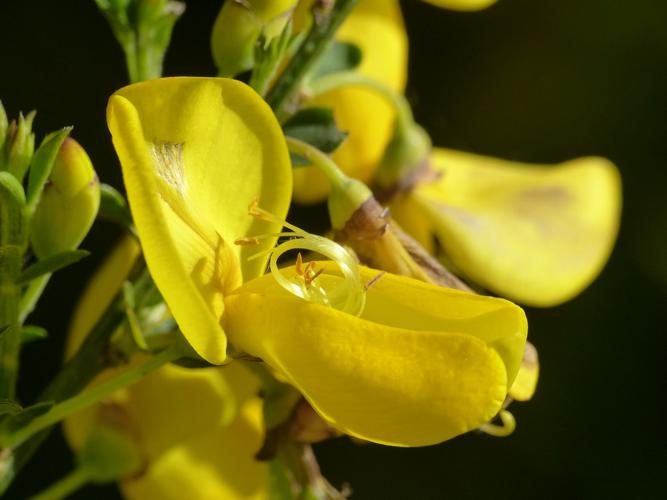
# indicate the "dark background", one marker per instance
pixel 530 80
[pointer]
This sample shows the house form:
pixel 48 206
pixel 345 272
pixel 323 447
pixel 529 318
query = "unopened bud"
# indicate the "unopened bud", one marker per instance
pixel 4 123
pixel 69 203
pixel 17 143
pixel 238 27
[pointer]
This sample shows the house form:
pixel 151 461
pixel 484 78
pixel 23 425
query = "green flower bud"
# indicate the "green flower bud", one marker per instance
pixel 239 25
pixel 3 125
pixel 68 205
pixel 17 143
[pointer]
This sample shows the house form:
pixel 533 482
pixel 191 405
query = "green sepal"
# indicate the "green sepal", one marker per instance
pixel 339 57
pixel 51 265
pixel 42 163
pixel 113 206
pixel 30 333
pixel 317 127
pixel 11 190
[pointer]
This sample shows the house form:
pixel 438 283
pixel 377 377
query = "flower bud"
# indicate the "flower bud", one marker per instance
pixel 238 27
pixel 17 143
pixel 69 203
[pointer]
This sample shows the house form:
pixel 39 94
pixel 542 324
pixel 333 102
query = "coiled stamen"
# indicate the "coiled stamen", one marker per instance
pixel 348 295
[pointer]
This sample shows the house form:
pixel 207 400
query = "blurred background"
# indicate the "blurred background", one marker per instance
pixel 536 81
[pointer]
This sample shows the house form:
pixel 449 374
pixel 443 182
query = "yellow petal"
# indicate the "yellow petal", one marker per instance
pixel 376 26
pixel 99 292
pixel 535 234
pixel 462 4
pixel 525 383
pixel 422 364
pixel 195 152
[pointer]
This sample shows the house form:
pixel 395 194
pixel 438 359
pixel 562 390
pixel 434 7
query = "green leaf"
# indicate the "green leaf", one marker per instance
pixel 42 163
pixel 113 206
pixel 11 189
pixel 341 56
pixel 11 422
pixel 317 127
pixel 8 406
pixel 30 333
pixel 51 265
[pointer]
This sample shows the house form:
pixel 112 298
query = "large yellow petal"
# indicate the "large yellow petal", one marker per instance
pixel 195 152
pixel 468 5
pixel 422 364
pixel 376 26
pixel 535 234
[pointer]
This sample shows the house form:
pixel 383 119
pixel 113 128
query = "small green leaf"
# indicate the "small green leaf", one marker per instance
pixel 42 163
pixel 51 265
pixel 341 56
pixel 317 127
pixel 11 422
pixel 113 206
pixel 30 333
pixel 7 406
pixel 11 189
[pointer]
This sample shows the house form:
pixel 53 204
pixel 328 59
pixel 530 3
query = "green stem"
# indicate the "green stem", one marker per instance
pixel 65 487
pixel 94 395
pixel 316 42
pixel 347 195
pixel 319 159
pixel 396 100
pixel 31 296
pixel 13 242
pixel 89 360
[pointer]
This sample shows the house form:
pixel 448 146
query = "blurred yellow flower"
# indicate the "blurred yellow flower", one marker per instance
pixel 462 4
pixel 422 363
pixel 534 234
pixel 376 27
pixel 195 430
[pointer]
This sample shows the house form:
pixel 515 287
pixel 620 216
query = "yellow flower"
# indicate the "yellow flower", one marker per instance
pixel 376 27
pixel 462 4
pixel 196 430
pixel 191 149
pixel 419 366
pixel 535 234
